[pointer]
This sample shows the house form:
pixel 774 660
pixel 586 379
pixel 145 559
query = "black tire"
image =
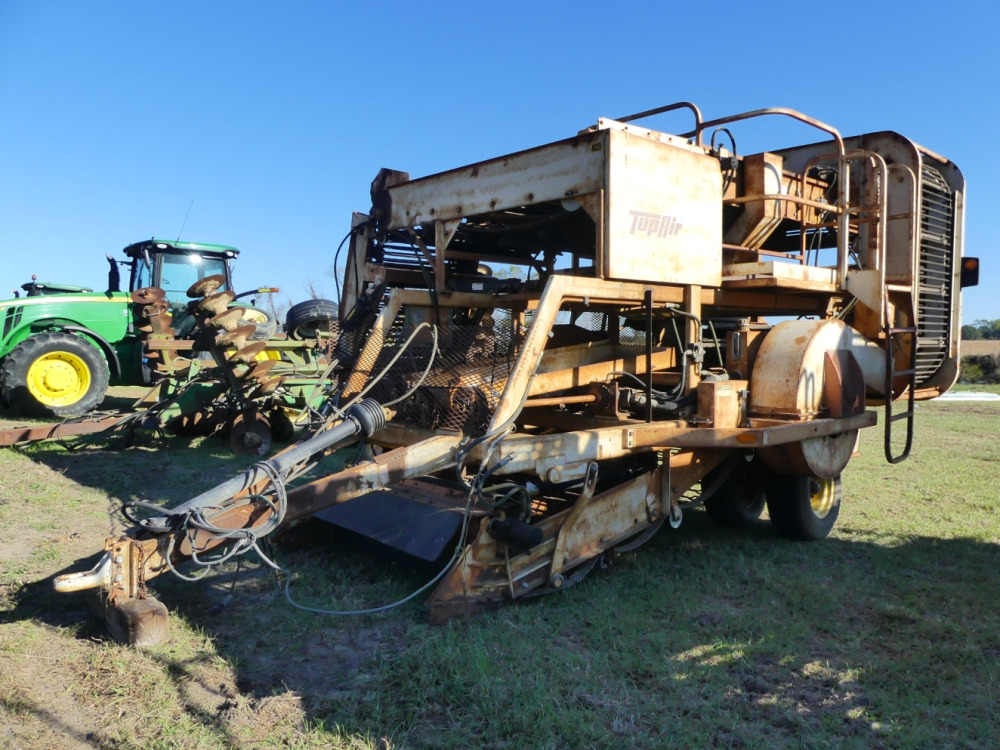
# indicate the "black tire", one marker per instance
pixel 55 374
pixel 282 428
pixel 304 319
pixel 741 498
pixel 803 508
pixel 267 326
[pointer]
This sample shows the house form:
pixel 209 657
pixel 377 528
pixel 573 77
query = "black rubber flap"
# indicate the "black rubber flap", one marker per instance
pixel 400 523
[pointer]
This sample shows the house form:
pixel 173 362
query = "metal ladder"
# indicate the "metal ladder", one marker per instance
pixel 891 374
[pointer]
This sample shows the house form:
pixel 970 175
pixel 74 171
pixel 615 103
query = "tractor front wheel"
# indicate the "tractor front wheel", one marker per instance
pixel 54 373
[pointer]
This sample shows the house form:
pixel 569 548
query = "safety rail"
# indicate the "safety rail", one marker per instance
pixel 668 108
pixel 843 218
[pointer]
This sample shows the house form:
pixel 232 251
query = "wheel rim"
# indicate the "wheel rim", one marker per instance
pixel 254 316
pixel 58 379
pixel 823 497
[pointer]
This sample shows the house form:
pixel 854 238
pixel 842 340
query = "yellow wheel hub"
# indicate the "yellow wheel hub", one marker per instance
pixel 58 379
pixel 823 497
pixel 253 316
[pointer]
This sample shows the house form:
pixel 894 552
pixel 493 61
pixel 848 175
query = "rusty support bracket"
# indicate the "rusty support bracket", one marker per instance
pixel 135 622
pixel 559 554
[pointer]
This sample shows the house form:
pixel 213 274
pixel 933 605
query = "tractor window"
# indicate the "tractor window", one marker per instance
pixel 179 272
pixel 143 275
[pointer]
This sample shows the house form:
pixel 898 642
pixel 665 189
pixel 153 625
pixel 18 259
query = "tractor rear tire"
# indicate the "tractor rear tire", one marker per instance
pixel 305 319
pixel 802 507
pixel 54 373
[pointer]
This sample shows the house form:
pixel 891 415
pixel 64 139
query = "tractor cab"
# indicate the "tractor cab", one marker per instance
pixel 176 266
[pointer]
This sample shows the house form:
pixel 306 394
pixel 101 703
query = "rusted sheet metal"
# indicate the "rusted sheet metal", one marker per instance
pixel 545 173
pixel 16 435
pixel 766 301
pixel 580 364
pixel 661 200
pixel 559 289
pixel 691 465
pixel 719 403
pixel 796 276
pixel 762 176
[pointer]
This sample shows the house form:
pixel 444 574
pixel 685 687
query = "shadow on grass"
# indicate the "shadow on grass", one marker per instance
pixel 167 469
pixel 705 636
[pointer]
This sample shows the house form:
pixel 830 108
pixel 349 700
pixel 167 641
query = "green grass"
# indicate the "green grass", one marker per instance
pixel 886 634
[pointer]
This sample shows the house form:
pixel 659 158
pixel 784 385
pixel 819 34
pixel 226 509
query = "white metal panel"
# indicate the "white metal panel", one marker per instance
pixel 664 213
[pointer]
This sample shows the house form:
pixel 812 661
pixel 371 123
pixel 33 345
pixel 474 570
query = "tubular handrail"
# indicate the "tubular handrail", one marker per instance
pixel 882 207
pixel 843 218
pixel 794 114
pixel 669 108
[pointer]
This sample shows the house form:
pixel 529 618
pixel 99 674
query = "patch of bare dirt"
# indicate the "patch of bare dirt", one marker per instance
pixel 40 709
pixel 324 665
pixel 812 694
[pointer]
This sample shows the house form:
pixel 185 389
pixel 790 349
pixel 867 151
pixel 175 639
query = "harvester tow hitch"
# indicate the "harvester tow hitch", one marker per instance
pixel 228 518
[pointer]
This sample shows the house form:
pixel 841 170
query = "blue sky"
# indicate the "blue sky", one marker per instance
pixel 274 117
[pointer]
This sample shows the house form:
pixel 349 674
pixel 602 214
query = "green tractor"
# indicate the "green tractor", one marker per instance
pixel 62 346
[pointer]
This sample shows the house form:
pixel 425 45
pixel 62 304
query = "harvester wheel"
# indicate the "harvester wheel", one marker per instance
pixel 740 500
pixel 54 373
pixel 267 326
pixel 305 319
pixel 801 507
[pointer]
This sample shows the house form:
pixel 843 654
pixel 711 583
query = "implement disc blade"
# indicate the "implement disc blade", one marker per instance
pixel 251 434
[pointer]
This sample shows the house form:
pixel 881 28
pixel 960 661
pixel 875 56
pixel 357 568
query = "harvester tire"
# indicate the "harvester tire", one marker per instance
pixel 54 373
pixel 267 326
pixel 803 508
pixel 304 319
pixel 741 498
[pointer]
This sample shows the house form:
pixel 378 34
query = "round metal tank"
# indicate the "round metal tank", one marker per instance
pixel 787 384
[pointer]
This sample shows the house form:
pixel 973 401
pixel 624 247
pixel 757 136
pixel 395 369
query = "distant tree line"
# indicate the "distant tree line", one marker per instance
pixel 981 329
pixel 984 368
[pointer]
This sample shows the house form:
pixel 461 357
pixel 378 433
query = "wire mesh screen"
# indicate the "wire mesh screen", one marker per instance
pixel 597 326
pixel 470 368
pixel 466 378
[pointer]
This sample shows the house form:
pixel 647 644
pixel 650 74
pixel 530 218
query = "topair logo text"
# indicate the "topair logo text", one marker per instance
pixel 658 225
